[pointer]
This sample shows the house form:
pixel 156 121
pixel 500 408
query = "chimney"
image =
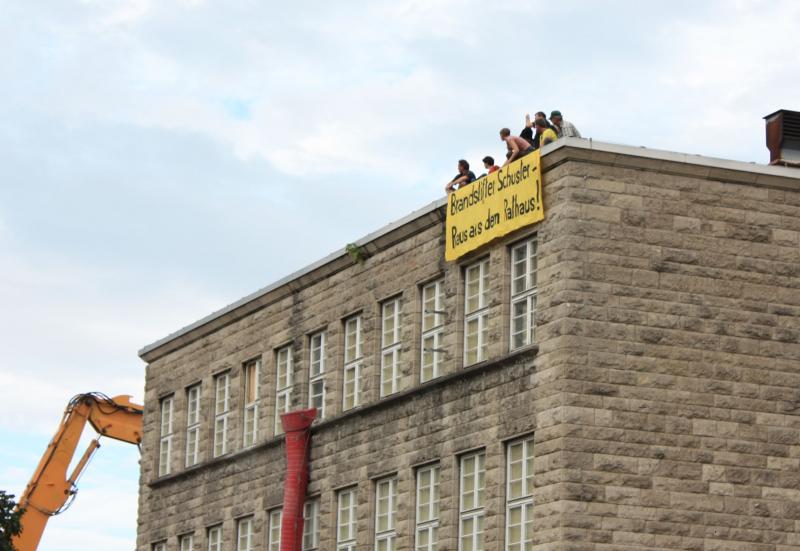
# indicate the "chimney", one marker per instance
pixel 783 137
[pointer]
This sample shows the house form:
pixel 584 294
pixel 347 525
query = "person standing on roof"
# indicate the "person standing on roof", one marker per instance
pixel 528 132
pixel 488 163
pixel 465 176
pixel 517 147
pixel 564 129
pixel 545 133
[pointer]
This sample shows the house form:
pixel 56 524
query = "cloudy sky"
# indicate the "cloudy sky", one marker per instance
pixel 160 159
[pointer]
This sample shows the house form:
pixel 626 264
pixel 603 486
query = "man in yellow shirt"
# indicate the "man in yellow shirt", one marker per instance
pixel 546 134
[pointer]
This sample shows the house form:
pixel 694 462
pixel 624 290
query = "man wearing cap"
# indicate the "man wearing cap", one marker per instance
pixel 564 129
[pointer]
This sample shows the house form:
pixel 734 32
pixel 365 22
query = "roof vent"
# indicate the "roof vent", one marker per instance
pixel 783 137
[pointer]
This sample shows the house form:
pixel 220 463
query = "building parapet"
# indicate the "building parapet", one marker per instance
pixel 553 155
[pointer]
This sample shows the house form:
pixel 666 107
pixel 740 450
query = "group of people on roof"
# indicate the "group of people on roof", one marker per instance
pixel 537 133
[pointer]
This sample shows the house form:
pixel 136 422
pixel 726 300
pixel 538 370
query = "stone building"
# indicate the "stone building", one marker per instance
pixel 624 375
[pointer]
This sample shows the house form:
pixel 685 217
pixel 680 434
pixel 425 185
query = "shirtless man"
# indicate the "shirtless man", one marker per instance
pixel 517 146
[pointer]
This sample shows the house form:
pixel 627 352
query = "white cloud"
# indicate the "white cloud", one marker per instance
pixel 70 328
pixel 135 200
pixel 121 12
pixel 728 72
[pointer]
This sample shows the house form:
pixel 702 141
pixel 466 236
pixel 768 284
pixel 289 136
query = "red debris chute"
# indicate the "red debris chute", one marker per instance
pixel 298 443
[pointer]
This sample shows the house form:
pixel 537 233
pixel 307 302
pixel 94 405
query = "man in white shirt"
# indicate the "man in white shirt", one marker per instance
pixel 564 129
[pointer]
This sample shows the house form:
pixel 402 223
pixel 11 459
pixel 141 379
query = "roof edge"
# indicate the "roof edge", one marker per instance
pixel 585 150
pixel 327 260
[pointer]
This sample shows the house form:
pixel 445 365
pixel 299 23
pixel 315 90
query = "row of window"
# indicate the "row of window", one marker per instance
pixel 245 530
pixel 476 316
pixel 471 510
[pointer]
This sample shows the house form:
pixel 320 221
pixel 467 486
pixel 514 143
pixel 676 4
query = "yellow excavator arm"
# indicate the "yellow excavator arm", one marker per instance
pixel 50 490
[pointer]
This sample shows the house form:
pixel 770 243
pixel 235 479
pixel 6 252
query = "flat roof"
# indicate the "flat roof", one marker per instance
pixel 554 154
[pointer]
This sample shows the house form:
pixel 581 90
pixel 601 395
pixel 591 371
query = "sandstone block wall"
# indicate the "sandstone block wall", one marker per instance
pixel 662 391
pixel 674 332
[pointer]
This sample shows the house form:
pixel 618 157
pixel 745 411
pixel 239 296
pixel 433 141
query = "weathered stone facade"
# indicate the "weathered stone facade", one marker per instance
pixel 663 391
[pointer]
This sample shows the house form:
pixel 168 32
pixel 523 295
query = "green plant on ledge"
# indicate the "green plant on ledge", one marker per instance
pixel 356 253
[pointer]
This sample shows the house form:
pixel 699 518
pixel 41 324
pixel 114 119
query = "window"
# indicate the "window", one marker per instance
pixel 275 530
pixel 316 374
pixel 346 520
pixel 187 542
pixel 283 388
pixel 222 386
pixel 244 534
pixel 385 513
pixel 160 546
pixel 165 447
pixel 311 525
pixel 427 508
pixel 476 308
pixel 519 495
pixel 523 293
pixel 390 346
pixel 432 329
pixel 352 363
pixel 251 371
pixel 470 526
pixel 192 425
pixel 215 538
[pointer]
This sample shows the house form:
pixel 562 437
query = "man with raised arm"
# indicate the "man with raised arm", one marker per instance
pixel 528 132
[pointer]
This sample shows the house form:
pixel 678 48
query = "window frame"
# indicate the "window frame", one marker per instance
pixel 318 377
pixel 283 388
pixel 247 521
pixel 159 546
pixel 274 520
pixel 477 513
pixel 250 407
pixel 193 424
pixel 352 365
pixel 311 522
pixel 479 314
pixel 391 348
pixel 430 525
pixel 388 535
pixel 166 434
pixel 434 332
pixel 524 501
pixel 214 544
pixel 184 538
pixel 349 543
pixel 528 296
pixel 222 411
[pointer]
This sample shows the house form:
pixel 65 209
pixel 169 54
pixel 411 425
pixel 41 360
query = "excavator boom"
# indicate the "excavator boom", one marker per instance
pixel 50 491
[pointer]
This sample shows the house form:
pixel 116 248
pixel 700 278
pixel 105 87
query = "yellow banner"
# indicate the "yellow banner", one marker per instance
pixel 495 205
